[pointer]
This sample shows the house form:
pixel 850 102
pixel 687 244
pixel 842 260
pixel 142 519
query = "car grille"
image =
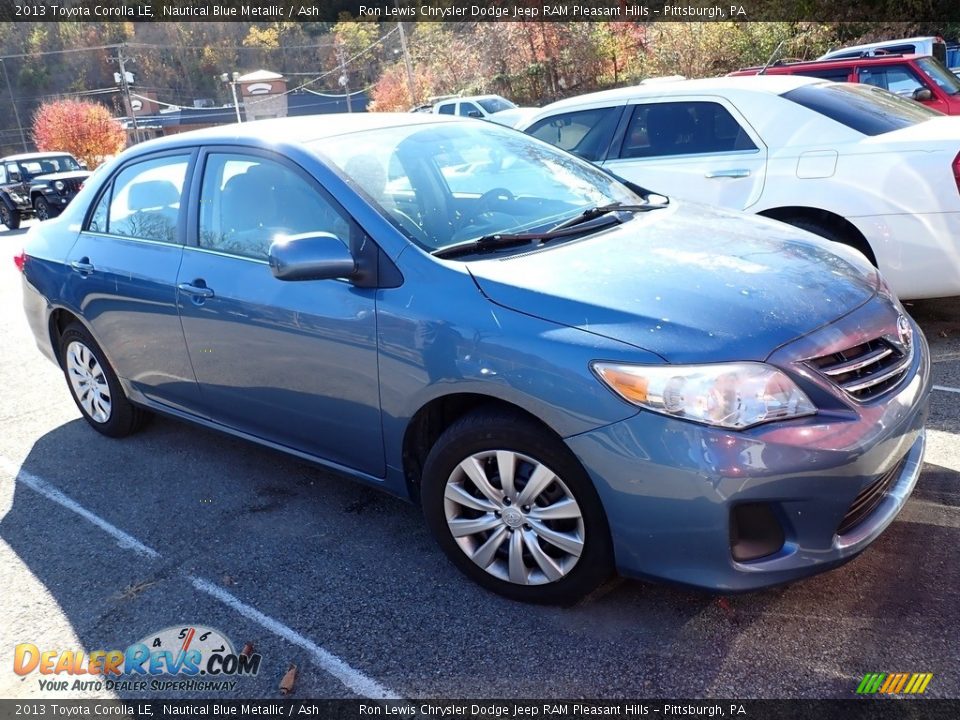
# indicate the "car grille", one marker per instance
pixel 868 499
pixel 866 371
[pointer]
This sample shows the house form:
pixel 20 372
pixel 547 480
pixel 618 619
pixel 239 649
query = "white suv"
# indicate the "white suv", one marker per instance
pixel 850 162
pixel 476 106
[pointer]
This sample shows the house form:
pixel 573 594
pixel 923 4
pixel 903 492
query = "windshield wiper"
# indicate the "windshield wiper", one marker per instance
pixel 590 219
pixel 488 243
pixel 600 210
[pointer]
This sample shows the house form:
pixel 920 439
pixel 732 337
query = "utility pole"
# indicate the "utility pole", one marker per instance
pixel 344 80
pixel 125 88
pixel 13 103
pixel 406 59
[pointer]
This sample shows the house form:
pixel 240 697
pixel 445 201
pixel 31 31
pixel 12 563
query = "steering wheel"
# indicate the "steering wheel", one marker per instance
pixel 494 196
pixel 408 224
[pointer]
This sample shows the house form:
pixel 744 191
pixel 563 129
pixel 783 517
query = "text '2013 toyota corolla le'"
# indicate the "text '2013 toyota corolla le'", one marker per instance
pixel 570 375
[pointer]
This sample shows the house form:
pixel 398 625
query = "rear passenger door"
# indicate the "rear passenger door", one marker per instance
pixel 124 271
pixel 699 149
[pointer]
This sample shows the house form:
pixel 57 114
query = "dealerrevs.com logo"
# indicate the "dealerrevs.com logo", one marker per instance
pixel 188 657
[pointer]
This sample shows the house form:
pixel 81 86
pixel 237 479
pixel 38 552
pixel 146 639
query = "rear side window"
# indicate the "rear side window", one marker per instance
pixel 683 128
pixel 585 133
pixel 836 75
pixel 143 200
pixel 868 110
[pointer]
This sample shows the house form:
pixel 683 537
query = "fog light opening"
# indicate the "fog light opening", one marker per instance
pixel 755 532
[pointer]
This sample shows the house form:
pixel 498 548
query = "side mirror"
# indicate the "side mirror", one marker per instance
pixel 311 256
pixel 922 95
pixel 14 176
pixel 474 114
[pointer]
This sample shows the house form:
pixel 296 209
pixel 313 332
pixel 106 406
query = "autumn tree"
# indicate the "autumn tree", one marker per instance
pixel 84 129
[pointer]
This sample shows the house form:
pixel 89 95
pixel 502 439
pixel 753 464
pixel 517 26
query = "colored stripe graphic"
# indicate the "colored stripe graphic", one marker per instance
pixel 894 683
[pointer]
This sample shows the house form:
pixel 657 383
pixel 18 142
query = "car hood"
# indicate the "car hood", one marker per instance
pixel 71 175
pixel 690 283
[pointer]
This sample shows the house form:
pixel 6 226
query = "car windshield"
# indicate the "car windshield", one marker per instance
pixel 495 104
pixel 445 183
pixel 44 166
pixel 864 108
pixel 947 81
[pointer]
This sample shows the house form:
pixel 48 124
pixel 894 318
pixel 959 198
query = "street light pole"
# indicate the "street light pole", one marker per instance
pixel 13 103
pixel 232 79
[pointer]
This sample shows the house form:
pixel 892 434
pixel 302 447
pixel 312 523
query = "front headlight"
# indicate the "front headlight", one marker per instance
pixel 16 198
pixel 58 185
pixel 730 395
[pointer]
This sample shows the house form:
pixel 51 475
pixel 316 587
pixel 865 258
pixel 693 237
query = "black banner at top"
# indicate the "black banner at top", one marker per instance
pixel 914 11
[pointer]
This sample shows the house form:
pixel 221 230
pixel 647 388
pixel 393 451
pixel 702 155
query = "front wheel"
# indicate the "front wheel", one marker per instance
pixel 8 217
pixel 514 510
pixel 94 385
pixel 43 209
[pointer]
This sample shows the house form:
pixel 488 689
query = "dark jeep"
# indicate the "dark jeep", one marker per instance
pixel 40 184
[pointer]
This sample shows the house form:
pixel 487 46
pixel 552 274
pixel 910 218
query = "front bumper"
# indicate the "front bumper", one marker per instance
pixel 670 487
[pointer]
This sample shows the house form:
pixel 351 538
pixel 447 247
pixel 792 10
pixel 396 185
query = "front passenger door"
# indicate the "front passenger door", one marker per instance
pixel 290 362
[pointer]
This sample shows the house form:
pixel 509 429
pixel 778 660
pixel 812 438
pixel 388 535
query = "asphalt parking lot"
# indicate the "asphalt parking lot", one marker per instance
pixel 104 542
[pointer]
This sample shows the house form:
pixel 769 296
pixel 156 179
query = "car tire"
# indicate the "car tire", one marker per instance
pixel 8 217
pixel 831 233
pixel 546 542
pixel 95 387
pixel 42 209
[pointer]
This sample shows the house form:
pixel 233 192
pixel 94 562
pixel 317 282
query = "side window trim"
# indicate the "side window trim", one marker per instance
pixel 107 188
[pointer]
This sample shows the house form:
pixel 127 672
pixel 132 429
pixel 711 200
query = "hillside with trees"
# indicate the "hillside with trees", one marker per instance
pixel 529 62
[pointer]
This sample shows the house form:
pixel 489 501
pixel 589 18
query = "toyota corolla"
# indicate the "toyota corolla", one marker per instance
pixel 573 376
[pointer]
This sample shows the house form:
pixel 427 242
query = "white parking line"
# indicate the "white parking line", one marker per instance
pixel 352 678
pixel 127 542
pixel 944 388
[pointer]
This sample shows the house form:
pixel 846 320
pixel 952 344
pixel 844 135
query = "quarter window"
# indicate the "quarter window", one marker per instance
pixel 585 133
pixel 683 128
pixel 145 200
pixel 246 202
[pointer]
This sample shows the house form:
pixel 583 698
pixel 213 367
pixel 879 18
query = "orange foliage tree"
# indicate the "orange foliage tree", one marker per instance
pixel 84 129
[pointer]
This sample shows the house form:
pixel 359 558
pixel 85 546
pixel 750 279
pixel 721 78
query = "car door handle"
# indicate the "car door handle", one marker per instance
pixel 732 173
pixel 82 266
pixel 200 291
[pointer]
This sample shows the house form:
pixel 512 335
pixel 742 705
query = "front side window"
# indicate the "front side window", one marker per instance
pixel 468 109
pixel 447 109
pixel 898 79
pixel 144 200
pixel 585 133
pixel 683 128
pixel 247 201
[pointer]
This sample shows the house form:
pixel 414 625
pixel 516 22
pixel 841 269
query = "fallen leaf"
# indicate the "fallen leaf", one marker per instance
pixel 286 684
pixel 247 649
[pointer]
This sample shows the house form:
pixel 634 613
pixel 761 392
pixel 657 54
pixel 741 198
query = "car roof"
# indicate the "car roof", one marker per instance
pixel 843 62
pixel 298 129
pixel 774 85
pixel 34 156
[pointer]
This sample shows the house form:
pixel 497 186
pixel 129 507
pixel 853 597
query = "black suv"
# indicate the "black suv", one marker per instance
pixel 40 184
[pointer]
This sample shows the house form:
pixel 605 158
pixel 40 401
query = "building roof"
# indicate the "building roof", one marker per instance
pixel 260 76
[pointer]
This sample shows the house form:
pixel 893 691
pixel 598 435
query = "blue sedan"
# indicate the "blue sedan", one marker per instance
pixel 572 375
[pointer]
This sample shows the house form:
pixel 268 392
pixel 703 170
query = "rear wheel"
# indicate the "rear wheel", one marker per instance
pixel 10 218
pixel 513 509
pixel 94 385
pixel 43 209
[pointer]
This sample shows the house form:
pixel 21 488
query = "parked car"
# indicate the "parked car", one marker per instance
pixel 475 106
pixel 932 45
pixel 851 163
pixel 917 77
pixel 568 373
pixel 40 184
